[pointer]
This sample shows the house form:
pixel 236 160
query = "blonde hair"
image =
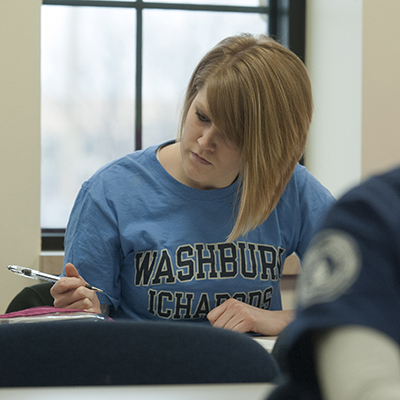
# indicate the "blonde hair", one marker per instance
pixel 259 96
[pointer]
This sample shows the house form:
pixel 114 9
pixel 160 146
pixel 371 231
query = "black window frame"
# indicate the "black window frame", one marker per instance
pixel 286 23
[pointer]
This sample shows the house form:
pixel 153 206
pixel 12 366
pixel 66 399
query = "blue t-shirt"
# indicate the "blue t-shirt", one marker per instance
pixel 351 276
pixel 158 248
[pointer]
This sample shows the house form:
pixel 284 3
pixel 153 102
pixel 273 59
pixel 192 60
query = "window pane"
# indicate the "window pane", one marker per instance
pixel 88 71
pixel 174 41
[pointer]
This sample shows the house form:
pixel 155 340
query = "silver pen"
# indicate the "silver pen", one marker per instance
pixel 33 274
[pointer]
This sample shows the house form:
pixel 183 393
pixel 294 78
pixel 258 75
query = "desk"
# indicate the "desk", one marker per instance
pixel 268 342
pixel 238 391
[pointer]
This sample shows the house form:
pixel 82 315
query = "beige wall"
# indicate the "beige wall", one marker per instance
pixel 353 59
pixel 19 141
pixel 381 86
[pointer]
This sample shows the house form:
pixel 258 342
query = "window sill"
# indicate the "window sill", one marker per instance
pixel 51 262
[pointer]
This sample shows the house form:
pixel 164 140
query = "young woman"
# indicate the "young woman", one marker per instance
pixel 199 228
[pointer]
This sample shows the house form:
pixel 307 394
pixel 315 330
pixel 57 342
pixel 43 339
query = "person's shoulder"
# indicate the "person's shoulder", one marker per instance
pixel 302 175
pixel 383 187
pixel 306 184
pixel 389 178
pixel 127 164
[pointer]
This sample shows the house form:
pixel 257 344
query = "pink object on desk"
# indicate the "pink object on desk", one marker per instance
pixel 48 313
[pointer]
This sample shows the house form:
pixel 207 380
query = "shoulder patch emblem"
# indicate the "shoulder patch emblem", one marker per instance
pixel 330 267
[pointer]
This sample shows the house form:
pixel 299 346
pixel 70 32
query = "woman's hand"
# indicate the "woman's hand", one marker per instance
pixel 241 317
pixel 70 292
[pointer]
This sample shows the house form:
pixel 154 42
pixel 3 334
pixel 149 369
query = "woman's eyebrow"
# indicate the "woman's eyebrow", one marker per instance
pixel 201 107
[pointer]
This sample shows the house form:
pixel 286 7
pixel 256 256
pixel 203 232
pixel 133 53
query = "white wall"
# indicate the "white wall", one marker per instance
pixel 334 62
pixel 19 141
pixel 353 57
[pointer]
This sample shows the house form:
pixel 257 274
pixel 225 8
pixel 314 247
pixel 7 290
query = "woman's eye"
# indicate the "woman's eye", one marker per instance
pixel 201 117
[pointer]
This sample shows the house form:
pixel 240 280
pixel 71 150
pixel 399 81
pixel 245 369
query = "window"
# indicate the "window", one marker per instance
pixel 114 75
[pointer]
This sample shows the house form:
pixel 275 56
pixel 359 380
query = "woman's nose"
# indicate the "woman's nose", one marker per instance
pixel 208 139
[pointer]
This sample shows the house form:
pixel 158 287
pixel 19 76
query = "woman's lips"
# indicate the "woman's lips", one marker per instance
pixel 199 159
